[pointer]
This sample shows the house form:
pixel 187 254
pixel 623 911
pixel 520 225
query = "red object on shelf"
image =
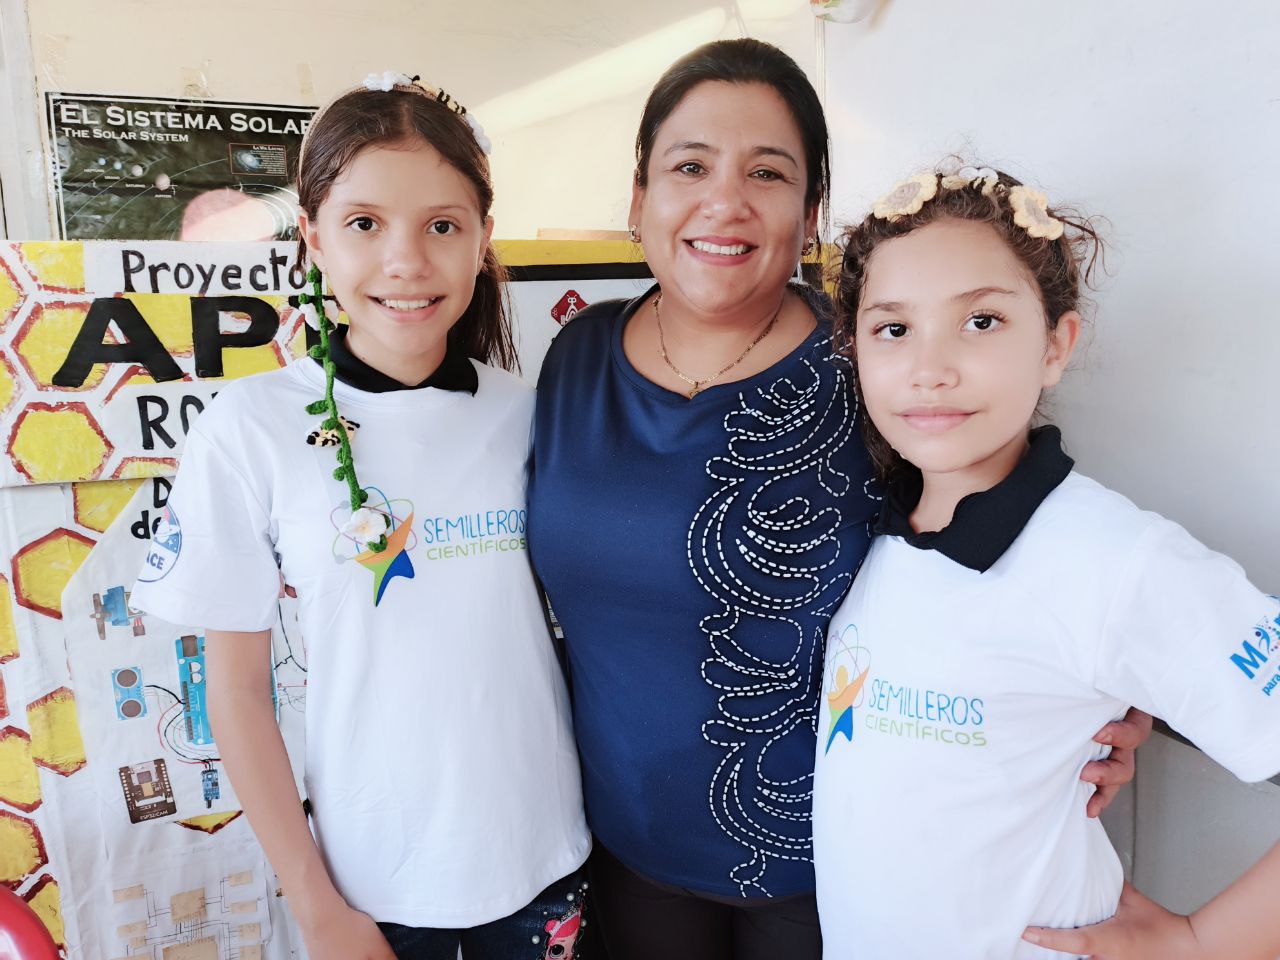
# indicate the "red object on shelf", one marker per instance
pixel 22 934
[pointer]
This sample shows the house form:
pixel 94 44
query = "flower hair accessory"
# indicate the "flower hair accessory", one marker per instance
pixel 486 146
pixel 983 177
pixel 1031 212
pixel 387 80
pixel 907 197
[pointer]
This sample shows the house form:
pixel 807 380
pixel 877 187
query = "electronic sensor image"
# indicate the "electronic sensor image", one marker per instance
pixel 147 792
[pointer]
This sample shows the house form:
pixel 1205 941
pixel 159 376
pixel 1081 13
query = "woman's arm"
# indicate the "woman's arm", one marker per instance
pixel 238 666
pixel 1241 923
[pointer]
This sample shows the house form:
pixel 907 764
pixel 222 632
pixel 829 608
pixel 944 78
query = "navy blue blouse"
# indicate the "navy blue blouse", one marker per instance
pixel 694 550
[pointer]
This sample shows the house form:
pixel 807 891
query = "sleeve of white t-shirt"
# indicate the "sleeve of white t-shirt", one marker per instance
pixel 211 562
pixel 1189 639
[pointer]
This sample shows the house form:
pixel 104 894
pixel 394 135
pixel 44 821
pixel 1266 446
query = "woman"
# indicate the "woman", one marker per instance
pixel 698 505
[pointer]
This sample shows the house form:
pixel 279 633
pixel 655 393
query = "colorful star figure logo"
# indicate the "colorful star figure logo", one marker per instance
pixel 844 694
pixel 390 563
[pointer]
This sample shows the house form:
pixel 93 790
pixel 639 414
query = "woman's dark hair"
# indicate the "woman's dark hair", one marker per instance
pixel 1059 268
pixel 365 118
pixel 743 61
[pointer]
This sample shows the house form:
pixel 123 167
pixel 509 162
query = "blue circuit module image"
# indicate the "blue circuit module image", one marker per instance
pixel 127 684
pixel 209 785
pixel 190 651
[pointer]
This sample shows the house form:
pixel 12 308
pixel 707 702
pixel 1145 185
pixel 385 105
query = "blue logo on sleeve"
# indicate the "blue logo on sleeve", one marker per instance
pixel 166 546
pixel 1256 656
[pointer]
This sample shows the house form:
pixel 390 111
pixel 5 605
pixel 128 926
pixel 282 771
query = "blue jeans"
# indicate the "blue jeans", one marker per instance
pixel 547 929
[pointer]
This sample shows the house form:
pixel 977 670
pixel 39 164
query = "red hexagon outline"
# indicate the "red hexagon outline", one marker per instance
pixel 41 851
pixel 22 293
pixel 16 581
pixel 18 383
pixel 170 462
pixel 47 698
pixel 24 331
pixel 22 735
pixel 39 406
pixel 34 892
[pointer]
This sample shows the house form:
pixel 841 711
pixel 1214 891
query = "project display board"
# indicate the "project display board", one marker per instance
pixel 118 823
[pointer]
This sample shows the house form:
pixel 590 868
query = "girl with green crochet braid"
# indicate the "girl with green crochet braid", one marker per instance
pixel 383 477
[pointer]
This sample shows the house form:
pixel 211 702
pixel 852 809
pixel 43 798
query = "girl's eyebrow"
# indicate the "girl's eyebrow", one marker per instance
pixel 369 205
pixel 889 306
pixel 896 306
pixel 761 151
pixel 979 292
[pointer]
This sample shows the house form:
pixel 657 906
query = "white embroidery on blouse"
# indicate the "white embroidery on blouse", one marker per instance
pixel 765 547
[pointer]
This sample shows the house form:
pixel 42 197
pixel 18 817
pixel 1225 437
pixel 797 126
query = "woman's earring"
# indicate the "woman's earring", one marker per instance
pixel 634 233
pixel 810 245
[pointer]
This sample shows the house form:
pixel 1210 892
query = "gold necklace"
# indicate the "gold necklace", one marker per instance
pixel 697 386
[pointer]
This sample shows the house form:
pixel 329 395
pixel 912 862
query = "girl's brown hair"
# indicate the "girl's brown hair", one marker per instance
pixel 1059 269
pixel 364 118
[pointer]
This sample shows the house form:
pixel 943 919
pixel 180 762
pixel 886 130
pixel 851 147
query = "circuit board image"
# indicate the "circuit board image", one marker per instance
pixel 190 650
pixel 147 791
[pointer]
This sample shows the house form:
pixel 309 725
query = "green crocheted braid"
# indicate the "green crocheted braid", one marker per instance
pixel 346 469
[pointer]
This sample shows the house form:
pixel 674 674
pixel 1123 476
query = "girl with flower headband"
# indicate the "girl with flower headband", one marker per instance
pixel 1007 608
pixel 383 477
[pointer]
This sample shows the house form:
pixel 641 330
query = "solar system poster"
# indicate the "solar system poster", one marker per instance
pixel 132 168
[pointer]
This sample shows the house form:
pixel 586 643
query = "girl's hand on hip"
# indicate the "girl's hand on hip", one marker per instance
pixel 346 934
pixel 1124 736
pixel 1140 930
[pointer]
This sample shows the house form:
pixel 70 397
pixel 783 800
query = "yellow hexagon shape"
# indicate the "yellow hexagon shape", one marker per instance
pixel 46 900
pixel 58 442
pixel 46 338
pixel 56 743
pixel 98 503
pixel 43 568
pixel 22 850
pixel 19 779
pixel 8 629
pixel 57 265
pixel 10 294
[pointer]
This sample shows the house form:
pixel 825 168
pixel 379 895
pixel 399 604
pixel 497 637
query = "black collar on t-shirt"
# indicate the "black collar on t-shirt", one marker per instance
pixel 984 524
pixel 454 373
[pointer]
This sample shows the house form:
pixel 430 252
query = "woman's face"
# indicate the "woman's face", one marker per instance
pixel 723 217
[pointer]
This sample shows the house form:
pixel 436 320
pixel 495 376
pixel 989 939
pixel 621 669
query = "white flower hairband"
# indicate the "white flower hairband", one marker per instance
pixel 388 80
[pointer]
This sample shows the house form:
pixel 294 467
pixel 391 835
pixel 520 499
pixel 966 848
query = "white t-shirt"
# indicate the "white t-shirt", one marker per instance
pixel 958 710
pixel 440 760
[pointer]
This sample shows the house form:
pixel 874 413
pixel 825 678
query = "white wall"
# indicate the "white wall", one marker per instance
pixel 558 84
pixel 1165 117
